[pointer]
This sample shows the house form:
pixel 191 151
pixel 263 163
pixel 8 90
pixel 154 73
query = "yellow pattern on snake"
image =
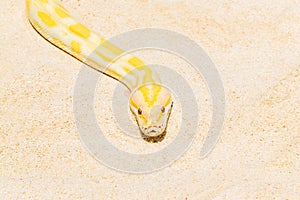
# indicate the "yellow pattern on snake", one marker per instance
pixel 150 102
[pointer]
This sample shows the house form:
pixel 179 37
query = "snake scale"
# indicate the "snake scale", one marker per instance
pixel 150 102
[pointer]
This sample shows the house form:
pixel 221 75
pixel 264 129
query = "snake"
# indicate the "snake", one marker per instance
pixel 149 101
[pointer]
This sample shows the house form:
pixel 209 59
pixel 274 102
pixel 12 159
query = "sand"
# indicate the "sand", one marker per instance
pixel 255 46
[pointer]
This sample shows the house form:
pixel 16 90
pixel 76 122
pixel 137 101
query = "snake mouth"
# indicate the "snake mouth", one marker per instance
pixel 153 131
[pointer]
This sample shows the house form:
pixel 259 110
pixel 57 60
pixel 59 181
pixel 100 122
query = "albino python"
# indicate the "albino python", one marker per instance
pixel 150 102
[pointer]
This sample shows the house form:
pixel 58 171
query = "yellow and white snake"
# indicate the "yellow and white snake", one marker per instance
pixel 150 102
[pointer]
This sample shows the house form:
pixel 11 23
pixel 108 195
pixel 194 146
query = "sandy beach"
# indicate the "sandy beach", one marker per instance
pixel 255 46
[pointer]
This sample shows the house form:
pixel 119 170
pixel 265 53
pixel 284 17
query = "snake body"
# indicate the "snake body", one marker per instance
pixel 150 102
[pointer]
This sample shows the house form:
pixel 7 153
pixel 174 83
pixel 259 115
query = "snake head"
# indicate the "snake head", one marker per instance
pixel 151 104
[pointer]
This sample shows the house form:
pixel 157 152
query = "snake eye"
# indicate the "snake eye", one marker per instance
pixel 139 111
pixel 163 109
